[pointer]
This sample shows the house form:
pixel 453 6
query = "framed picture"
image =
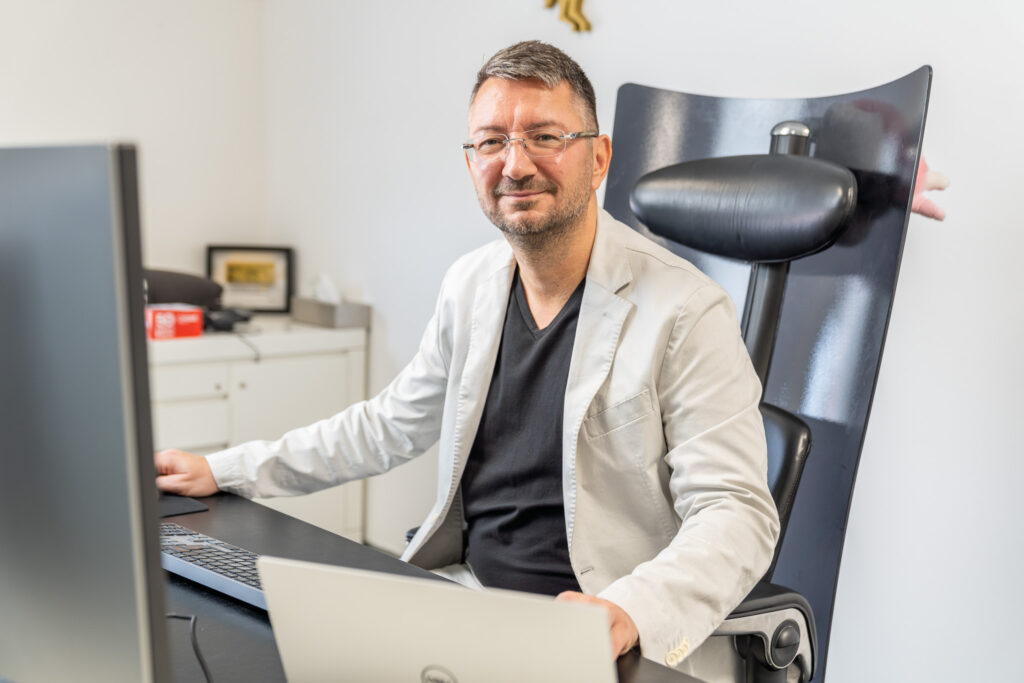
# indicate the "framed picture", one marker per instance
pixel 259 279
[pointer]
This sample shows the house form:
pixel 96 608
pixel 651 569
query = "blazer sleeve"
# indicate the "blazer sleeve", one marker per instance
pixel 367 438
pixel 716 453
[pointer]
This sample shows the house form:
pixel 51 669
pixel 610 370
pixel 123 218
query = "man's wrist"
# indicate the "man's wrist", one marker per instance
pixel 226 470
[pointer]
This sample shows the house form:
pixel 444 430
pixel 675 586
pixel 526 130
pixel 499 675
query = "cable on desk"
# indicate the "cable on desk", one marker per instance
pixel 191 618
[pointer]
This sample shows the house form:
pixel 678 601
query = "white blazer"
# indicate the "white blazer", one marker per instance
pixel 667 509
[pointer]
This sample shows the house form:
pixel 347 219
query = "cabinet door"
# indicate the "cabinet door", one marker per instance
pixel 190 406
pixel 199 426
pixel 272 396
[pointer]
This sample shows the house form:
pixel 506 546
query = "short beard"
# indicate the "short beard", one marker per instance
pixel 540 234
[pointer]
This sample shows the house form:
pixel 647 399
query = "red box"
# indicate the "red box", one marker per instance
pixel 172 321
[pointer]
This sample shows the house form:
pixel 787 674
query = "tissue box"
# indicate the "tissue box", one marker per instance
pixel 345 314
pixel 171 321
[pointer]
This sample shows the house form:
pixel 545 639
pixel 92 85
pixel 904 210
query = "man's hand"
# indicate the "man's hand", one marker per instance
pixel 928 180
pixel 186 474
pixel 623 631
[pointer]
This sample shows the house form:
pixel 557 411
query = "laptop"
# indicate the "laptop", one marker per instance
pixel 340 624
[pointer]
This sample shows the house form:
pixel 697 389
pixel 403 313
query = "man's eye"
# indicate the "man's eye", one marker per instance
pixel 490 145
pixel 547 140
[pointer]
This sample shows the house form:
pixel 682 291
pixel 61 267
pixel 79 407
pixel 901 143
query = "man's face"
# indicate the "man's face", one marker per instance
pixel 525 195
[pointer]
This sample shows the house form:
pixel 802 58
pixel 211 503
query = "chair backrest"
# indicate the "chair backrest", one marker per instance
pixel 831 326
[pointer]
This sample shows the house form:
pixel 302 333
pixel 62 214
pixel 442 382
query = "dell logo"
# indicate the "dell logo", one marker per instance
pixel 437 674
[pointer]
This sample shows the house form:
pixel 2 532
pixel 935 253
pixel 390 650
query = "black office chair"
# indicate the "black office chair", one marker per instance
pixel 767 210
pixel 821 220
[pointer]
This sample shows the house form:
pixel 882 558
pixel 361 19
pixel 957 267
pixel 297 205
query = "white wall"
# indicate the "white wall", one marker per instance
pixel 366 107
pixel 185 80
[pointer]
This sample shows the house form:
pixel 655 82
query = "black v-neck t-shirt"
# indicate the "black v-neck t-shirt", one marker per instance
pixel 512 484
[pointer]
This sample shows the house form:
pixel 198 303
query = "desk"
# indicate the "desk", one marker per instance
pixel 237 640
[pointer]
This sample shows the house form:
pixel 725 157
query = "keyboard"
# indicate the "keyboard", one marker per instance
pixel 215 564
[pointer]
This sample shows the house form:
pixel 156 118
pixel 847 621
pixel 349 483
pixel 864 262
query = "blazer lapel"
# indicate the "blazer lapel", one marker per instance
pixel 489 305
pixel 440 537
pixel 602 315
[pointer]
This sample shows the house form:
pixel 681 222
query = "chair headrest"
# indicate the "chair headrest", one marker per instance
pixel 757 208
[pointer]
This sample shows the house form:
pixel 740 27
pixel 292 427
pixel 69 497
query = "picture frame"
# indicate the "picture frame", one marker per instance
pixel 255 278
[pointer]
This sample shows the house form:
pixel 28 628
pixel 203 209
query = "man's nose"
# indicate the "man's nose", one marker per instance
pixel 518 163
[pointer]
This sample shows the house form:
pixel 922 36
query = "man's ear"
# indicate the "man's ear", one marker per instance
pixel 602 160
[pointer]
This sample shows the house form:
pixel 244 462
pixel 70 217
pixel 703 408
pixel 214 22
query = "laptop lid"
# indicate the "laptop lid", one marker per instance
pixel 335 623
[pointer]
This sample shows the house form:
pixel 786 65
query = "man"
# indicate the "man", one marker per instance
pixel 597 412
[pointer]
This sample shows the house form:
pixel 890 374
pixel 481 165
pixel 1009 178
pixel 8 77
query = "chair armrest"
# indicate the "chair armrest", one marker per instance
pixel 780 625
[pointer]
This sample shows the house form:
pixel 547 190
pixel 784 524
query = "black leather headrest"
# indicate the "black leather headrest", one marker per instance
pixel 757 208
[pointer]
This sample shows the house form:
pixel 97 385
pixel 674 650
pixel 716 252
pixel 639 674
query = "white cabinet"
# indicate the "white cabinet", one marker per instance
pixel 273 396
pixel 223 389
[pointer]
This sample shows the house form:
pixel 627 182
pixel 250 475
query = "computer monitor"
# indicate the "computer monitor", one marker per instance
pixel 81 590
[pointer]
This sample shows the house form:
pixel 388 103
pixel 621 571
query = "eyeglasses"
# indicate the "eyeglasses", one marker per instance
pixel 542 142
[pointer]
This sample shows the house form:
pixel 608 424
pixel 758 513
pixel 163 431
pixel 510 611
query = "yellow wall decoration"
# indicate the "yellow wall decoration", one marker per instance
pixel 572 12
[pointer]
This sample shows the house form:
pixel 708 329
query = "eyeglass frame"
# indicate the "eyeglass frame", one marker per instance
pixel 470 147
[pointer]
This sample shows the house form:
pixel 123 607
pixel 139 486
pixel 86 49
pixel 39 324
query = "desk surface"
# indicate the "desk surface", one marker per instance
pixel 237 640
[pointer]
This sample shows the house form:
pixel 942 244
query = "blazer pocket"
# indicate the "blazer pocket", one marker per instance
pixel 618 415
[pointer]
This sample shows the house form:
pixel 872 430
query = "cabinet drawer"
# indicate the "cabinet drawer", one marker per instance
pixel 191 425
pixel 176 382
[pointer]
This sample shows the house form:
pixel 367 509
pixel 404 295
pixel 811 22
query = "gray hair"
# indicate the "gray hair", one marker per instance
pixel 532 59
